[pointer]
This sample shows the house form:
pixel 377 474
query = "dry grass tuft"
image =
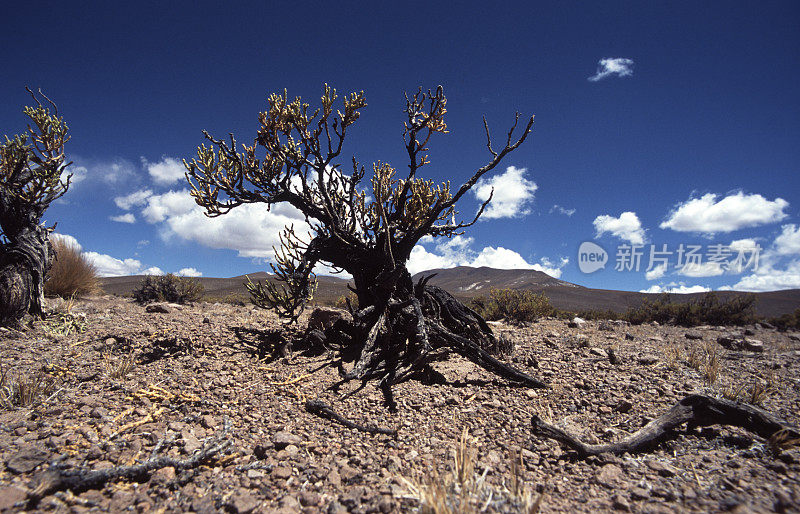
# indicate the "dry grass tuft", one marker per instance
pixel 117 368
pixel 24 391
pixel 72 273
pixel 464 491
pixel 782 440
pixel 707 361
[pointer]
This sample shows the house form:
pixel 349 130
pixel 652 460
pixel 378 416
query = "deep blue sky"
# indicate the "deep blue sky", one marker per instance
pixel 710 108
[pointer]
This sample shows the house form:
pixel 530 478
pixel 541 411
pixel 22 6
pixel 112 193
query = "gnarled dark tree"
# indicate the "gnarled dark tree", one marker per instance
pixel 399 327
pixel 31 178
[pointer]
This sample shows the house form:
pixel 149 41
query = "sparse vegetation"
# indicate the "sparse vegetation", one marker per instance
pixel 118 367
pixel 24 391
pixel 706 310
pixel 513 305
pixel 168 288
pixel 788 321
pixel 348 302
pixel 72 273
pixel 464 491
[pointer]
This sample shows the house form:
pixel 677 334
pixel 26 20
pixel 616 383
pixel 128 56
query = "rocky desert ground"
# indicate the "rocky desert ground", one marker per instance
pixel 135 385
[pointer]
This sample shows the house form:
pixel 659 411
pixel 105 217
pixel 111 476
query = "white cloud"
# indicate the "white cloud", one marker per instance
pixel 68 239
pixel 676 289
pixel 512 194
pixel 788 242
pixel 656 273
pixel 707 215
pixel 110 172
pixel 108 266
pixel 457 252
pixel 618 66
pixel 128 217
pixel 627 227
pixel 165 172
pixel 250 229
pixel 153 270
pixel 189 272
pixel 771 278
pixel 134 199
pixel 566 212
pixel 704 269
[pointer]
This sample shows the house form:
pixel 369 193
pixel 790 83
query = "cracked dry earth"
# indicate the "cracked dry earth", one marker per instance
pixel 189 373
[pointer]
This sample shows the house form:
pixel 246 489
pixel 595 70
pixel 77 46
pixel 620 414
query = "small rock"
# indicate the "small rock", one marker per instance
pixel 729 341
pixel 207 320
pixel 163 476
pixel 629 336
pixel 598 351
pixel 662 468
pixel 639 493
pixel 324 317
pixel 606 326
pixel 208 421
pixel 99 412
pixel 283 439
pixel 157 308
pixel 243 502
pixel 26 460
pixel 10 495
pixel 335 479
pixel 611 476
pixel 647 360
pixel 190 442
pixel 754 345
pixel 620 503
pixel 309 499
pixel 282 472
pixel 694 336
pixel 576 322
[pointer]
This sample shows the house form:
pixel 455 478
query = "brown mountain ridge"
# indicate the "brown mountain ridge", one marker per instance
pixel 466 282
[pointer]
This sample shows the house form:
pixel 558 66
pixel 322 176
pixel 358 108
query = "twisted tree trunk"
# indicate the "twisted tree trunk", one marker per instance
pixel 24 263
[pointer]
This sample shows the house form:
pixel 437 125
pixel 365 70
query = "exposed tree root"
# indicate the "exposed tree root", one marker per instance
pixel 57 478
pixel 696 410
pixel 414 329
pixel 323 410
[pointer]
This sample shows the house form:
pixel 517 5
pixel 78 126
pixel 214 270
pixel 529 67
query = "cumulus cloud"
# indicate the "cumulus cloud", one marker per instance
pixel 676 289
pixel 108 266
pixel 512 194
pixel 627 227
pixel 788 242
pixel 124 218
pixel 134 199
pixel 67 239
pixel 769 277
pixel 189 272
pixel 458 252
pixel 560 210
pixel 618 66
pixel 166 171
pixel 153 270
pixel 703 269
pixel 656 273
pixel 249 229
pixel 111 172
pixel 708 215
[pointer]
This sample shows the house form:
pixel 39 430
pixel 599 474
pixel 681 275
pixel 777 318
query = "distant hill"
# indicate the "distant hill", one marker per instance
pixel 466 282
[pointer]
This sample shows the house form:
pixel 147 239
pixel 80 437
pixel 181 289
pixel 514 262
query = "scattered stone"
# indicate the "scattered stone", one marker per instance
pixel 309 499
pixel 623 406
pixel 157 308
pixel 620 503
pixel 10 496
pixel 605 326
pixel 662 468
pixel 629 336
pixel 243 502
pixel 611 476
pixel 599 352
pixel 283 439
pixel 576 322
pixel 754 345
pixel 647 359
pixel 26 460
pixel 163 476
pixel 693 336
pixel 325 317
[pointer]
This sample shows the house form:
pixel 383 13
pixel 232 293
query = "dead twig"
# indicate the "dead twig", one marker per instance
pixel 323 410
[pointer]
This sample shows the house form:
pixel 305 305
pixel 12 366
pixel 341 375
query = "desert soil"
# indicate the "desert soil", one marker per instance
pixel 191 374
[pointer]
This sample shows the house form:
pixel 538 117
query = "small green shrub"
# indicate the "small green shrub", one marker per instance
pixel 787 321
pixel 72 273
pixel 516 306
pixel 168 288
pixel 706 310
pixel 348 302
